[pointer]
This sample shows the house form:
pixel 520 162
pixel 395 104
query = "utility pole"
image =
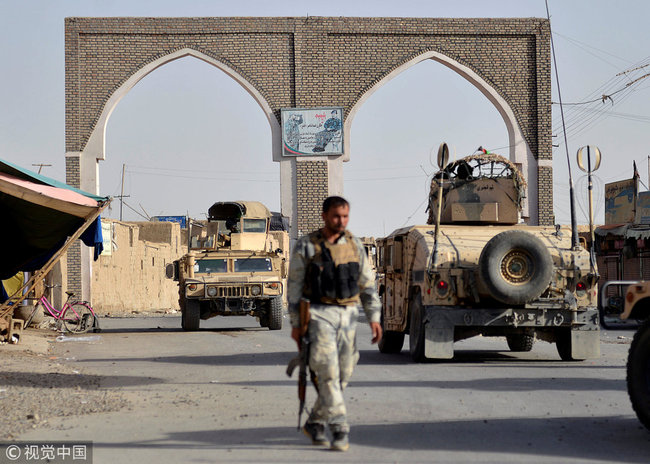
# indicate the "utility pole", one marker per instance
pixel 41 166
pixel 122 191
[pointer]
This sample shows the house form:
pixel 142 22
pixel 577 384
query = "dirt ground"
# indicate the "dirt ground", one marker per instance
pixel 35 386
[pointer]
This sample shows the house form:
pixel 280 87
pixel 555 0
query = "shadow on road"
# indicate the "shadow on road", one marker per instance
pixel 484 358
pixel 280 358
pixel 84 382
pixel 505 384
pixel 615 438
pixel 129 330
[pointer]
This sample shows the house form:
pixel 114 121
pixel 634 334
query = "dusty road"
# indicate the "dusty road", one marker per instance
pixel 221 395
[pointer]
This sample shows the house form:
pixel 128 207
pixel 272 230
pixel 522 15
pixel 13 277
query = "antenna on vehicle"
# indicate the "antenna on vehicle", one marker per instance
pixel 443 159
pixel 574 224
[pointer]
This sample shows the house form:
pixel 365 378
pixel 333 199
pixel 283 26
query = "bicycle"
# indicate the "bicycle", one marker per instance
pixel 77 317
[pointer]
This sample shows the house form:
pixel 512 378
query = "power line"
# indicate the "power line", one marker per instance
pixel 419 176
pixel 231 179
pixel 203 171
pixel 605 97
pixel 583 45
pixel 580 117
pixel 134 210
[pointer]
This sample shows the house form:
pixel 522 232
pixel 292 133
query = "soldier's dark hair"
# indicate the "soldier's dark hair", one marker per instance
pixel 333 202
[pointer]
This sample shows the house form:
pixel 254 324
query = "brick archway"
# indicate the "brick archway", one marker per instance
pixel 309 62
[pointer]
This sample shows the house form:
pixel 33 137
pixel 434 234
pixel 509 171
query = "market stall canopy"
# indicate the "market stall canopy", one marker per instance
pixel 625 231
pixel 38 214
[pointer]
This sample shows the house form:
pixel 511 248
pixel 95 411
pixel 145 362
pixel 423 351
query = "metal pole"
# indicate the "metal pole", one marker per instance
pixel 591 198
pixel 574 223
pixel 122 191
pixel 437 229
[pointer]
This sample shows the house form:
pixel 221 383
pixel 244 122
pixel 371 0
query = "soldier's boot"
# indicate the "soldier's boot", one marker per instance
pixel 317 434
pixel 340 441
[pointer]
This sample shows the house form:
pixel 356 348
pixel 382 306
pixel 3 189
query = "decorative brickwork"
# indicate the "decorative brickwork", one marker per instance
pixel 311 191
pixel 311 61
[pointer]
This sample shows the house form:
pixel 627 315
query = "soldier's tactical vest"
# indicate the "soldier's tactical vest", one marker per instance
pixel 333 273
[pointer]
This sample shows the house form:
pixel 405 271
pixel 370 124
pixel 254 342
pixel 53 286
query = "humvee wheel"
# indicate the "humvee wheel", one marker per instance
pixel 416 329
pixel 191 315
pixel 638 373
pixel 391 341
pixel 274 313
pixel 520 342
pixel 515 266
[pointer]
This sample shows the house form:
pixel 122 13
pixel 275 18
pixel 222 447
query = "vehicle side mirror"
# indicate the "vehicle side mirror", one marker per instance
pixel 171 271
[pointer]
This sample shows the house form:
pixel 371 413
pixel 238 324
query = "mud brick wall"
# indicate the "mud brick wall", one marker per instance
pixel 132 278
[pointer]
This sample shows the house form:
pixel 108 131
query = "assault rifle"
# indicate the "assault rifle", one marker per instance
pixel 302 360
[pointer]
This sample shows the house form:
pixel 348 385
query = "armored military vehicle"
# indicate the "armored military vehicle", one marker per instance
pixel 370 246
pixel 236 265
pixel 636 306
pixel 475 270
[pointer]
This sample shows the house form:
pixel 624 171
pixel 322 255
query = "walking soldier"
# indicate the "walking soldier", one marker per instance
pixel 330 268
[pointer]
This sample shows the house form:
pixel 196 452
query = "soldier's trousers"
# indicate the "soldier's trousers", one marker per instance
pixel 332 356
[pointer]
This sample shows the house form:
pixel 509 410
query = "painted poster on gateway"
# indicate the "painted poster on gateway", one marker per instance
pixel 312 131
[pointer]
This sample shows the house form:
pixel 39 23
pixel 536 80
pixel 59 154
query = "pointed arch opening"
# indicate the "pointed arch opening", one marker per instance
pixel 517 149
pixel 95 148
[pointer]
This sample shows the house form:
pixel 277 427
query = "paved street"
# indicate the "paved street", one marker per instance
pixel 221 395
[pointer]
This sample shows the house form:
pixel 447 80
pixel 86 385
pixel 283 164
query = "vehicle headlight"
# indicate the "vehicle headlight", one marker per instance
pixel 212 291
pixel 256 290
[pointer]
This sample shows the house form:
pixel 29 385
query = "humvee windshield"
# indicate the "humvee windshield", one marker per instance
pixel 253 265
pixel 211 265
pixel 255 225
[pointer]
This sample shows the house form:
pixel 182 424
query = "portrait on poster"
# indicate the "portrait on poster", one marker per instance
pixel 313 131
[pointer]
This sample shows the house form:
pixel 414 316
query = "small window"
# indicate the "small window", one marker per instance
pixel 253 265
pixel 208 266
pixel 255 225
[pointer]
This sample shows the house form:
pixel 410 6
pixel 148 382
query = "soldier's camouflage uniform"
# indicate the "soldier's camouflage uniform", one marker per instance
pixel 332 333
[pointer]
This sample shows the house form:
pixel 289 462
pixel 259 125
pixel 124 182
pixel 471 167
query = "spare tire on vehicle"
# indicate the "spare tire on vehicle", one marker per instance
pixel 515 267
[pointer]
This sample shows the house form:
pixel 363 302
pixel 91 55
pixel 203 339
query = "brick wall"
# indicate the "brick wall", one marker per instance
pixel 315 61
pixel 311 189
pixel 546 216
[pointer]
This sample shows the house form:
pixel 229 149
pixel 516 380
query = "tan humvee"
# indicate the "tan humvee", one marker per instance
pixel 236 265
pixel 370 245
pixel 485 274
pixel 636 306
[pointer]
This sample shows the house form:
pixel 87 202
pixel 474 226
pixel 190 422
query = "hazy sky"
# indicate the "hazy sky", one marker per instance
pixel 189 135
